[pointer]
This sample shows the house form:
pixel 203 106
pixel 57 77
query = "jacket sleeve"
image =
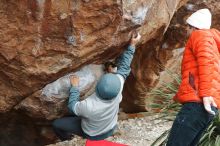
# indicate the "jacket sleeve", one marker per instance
pixel 204 55
pixel 73 99
pixel 124 61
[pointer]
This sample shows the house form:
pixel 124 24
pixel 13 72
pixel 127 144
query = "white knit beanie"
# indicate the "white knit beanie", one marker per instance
pixel 201 19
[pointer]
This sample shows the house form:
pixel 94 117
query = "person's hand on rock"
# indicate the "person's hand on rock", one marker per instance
pixel 74 80
pixel 135 38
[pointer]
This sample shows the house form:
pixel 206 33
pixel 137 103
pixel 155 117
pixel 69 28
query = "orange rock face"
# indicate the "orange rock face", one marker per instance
pixel 42 40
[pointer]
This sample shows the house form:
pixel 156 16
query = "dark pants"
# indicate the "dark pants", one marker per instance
pixel 189 125
pixel 67 126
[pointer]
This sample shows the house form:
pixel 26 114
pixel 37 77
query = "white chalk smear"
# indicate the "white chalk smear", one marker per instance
pixel 190 7
pixel 138 16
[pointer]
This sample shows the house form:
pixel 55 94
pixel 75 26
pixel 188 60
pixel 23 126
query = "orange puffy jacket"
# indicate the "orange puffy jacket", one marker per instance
pixel 200 67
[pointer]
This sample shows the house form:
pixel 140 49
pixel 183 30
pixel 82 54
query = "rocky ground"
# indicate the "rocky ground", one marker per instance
pixel 134 132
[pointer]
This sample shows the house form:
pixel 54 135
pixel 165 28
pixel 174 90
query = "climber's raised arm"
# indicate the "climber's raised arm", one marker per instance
pixel 125 59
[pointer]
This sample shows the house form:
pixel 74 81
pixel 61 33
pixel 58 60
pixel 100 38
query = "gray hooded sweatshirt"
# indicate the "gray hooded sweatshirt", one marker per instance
pixel 100 116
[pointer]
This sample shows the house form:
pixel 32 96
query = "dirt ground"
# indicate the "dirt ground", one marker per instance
pixel 133 132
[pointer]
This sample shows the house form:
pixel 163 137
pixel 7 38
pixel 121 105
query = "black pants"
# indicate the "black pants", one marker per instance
pixel 189 125
pixel 66 126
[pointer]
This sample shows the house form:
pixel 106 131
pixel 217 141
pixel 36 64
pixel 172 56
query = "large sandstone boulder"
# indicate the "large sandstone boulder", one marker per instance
pixel 43 40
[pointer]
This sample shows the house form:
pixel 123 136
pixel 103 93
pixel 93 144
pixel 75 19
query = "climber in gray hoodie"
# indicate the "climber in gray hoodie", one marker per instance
pixel 96 116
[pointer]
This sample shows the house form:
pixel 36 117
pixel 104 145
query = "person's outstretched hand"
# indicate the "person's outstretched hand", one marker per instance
pixel 74 80
pixel 208 102
pixel 135 38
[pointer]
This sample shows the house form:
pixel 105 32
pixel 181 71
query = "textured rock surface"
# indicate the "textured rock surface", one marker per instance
pixel 42 40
